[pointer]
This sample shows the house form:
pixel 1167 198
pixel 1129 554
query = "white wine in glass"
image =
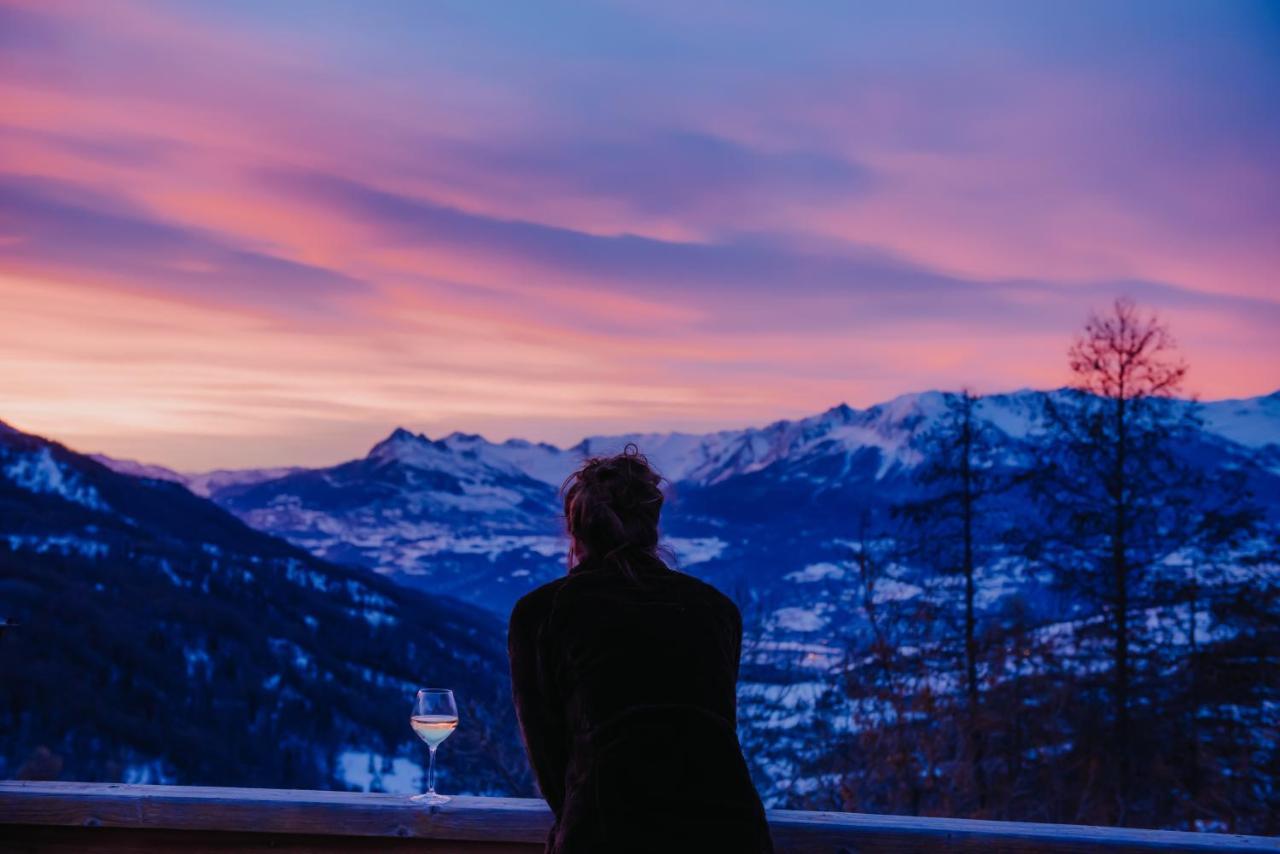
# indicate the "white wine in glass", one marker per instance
pixel 434 718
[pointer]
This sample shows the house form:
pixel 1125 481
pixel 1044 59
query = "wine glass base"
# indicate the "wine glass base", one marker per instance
pixel 430 798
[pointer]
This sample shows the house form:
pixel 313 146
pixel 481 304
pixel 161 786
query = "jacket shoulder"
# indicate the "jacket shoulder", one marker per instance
pixel 533 606
pixel 710 591
pixel 713 596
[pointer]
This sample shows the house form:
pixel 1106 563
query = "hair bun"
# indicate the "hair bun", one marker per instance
pixel 612 505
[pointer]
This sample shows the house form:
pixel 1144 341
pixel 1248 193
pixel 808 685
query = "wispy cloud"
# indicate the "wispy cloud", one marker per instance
pixel 240 233
pixel 54 228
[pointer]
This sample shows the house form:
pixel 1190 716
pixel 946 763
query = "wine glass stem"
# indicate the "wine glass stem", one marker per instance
pixel 431 772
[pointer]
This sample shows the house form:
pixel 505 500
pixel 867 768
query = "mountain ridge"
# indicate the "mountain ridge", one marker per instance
pixel 1250 421
pixel 482 520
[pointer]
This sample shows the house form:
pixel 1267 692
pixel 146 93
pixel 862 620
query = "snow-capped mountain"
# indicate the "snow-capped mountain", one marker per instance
pixel 211 652
pixel 750 507
pixel 885 428
pixel 434 513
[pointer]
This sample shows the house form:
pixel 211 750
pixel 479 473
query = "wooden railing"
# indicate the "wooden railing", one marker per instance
pixel 38 816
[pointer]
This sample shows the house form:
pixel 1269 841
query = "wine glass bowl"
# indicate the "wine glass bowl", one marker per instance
pixel 433 719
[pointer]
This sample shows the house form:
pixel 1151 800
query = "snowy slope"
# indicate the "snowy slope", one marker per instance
pixel 538 460
pixel 1253 422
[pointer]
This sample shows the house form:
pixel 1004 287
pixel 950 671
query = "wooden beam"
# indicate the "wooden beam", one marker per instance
pixel 20 839
pixel 805 832
pixel 120 817
pixel 271 811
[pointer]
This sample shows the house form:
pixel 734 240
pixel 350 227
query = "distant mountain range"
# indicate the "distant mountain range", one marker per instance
pixel 160 639
pixel 751 507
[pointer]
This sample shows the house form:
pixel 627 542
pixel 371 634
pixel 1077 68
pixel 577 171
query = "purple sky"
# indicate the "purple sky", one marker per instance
pixel 242 233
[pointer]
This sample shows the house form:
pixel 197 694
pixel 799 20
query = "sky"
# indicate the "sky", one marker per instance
pixel 245 233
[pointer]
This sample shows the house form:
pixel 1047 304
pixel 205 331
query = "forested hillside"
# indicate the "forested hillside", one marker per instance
pixel 158 638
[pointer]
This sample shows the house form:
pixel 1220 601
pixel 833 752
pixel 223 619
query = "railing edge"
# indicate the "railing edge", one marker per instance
pixel 525 821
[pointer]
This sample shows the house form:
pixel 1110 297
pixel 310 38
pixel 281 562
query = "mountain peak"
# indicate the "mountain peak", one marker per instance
pixel 840 412
pixel 468 438
pixel 400 434
pixel 400 441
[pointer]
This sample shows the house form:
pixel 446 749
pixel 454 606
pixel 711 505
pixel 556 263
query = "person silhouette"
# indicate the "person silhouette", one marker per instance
pixel 623 675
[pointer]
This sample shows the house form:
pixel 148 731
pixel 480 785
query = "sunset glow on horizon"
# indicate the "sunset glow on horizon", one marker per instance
pixel 240 234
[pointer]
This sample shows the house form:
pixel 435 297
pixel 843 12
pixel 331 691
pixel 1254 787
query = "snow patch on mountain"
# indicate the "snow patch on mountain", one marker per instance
pixel 65 544
pixel 893 590
pixel 801 619
pixel 39 472
pixel 692 550
pixel 816 572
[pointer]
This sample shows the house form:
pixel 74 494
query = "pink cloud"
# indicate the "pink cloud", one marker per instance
pixel 246 233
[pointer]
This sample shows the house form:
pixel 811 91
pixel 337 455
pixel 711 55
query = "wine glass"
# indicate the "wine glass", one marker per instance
pixel 434 718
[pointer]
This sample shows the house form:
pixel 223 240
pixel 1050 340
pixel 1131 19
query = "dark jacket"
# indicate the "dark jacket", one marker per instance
pixel 625 692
